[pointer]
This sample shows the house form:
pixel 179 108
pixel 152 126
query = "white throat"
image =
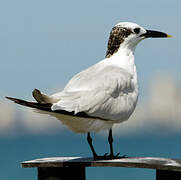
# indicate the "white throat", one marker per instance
pixel 124 58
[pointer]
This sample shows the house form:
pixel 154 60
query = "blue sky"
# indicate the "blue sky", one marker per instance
pixel 44 43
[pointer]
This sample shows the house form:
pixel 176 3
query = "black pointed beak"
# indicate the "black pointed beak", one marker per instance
pixel 155 34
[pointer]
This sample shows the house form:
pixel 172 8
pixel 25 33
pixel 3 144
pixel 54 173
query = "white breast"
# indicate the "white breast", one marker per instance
pixel 108 90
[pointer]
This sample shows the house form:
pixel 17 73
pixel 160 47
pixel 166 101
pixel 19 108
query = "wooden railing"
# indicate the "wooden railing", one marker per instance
pixel 68 168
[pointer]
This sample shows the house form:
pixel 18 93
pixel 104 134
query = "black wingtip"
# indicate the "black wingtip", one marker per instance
pixel 15 100
pixel 10 98
pixel 45 107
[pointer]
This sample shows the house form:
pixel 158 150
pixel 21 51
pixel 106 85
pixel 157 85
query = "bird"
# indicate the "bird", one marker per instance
pixel 102 95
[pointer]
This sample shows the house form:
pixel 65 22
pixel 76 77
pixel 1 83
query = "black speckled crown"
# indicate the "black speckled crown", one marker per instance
pixel 117 36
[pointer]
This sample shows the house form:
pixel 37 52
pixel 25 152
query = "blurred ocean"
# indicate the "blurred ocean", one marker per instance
pixel 15 149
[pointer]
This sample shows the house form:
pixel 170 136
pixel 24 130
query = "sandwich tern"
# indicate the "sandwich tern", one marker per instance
pixel 102 95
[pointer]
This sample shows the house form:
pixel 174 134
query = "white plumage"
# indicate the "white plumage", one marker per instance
pixel 102 95
pixel 107 90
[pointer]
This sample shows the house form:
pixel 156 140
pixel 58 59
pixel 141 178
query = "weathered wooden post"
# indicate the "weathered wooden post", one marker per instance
pixel 168 175
pixel 61 173
pixel 68 168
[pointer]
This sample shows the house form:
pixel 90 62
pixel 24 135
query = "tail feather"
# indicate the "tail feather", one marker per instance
pixel 43 98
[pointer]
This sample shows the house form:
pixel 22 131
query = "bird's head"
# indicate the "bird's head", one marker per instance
pixel 128 35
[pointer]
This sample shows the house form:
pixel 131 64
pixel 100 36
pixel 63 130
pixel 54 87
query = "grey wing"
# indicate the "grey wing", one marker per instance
pixel 97 93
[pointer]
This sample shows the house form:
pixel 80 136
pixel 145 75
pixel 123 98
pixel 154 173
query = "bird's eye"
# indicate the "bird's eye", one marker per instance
pixel 136 30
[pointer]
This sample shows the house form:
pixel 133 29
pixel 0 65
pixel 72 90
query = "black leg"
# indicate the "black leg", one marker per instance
pixel 89 140
pixel 110 140
pixel 106 156
pixel 111 155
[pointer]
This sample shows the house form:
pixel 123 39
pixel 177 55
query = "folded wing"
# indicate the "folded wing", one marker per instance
pixel 97 93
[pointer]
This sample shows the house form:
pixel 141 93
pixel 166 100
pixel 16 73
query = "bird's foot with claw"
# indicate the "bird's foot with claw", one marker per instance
pixel 109 156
